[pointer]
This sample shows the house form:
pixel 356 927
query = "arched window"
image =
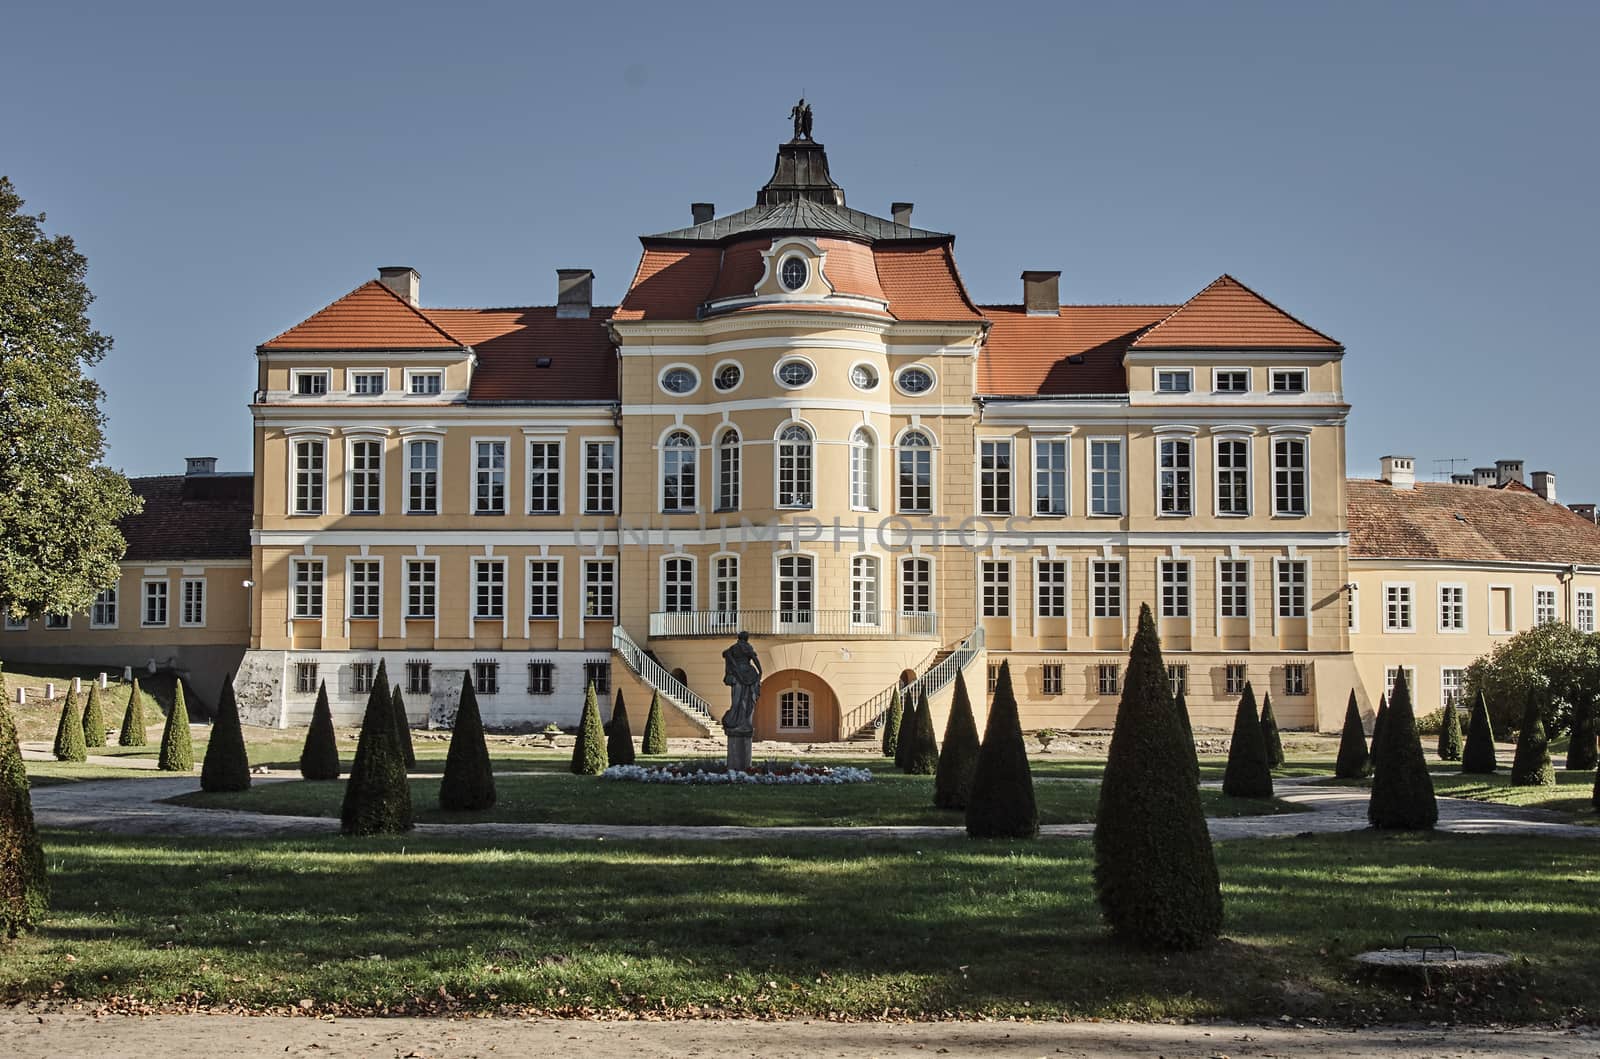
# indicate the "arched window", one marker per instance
pixel 794 467
pixel 678 464
pixel 728 470
pixel 916 473
pixel 863 471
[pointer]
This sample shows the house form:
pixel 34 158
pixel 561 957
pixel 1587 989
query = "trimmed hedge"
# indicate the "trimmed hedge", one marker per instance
pixel 377 798
pixel 655 730
pixel 319 757
pixel 1181 706
pixel 1001 804
pixel 69 745
pixel 923 757
pixel 589 752
pixel 958 758
pixel 227 763
pixel 132 733
pixel 1402 791
pixel 1450 738
pixel 1248 775
pixel 619 734
pixel 468 784
pixel 1531 767
pixel 891 726
pixel 1155 873
pixel 24 887
pixel 1479 755
pixel 94 719
pixel 1269 733
pixel 1581 750
pixel 1354 761
pixel 177 750
pixel 402 726
pixel 908 725
pixel 1378 720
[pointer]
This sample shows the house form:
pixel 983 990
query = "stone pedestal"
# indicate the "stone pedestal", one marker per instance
pixel 739 750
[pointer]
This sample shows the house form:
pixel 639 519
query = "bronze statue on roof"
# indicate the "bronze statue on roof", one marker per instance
pixel 800 114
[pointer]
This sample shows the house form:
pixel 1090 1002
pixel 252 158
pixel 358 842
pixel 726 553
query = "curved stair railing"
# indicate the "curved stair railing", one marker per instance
pixel 649 670
pixel 933 680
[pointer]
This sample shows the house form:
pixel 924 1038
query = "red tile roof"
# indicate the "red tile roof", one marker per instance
pixel 671 283
pixel 1464 523
pixel 509 344
pixel 1229 315
pixel 922 283
pixel 187 517
pixel 370 317
pixel 1027 355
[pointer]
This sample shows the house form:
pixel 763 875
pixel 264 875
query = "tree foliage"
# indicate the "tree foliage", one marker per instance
pixel 908 725
pixel 922 758
pixel 468 784
pixel 1581 750
pixel 619 734
pixel 69 745
pixel 891 725
pixel 402 727
pixel 177 749
pixel 1248 775
pixel 1354 762
pixel 133 726
pixel 377 798
pixel 1478 756
pixel 1402 791
pixel 655 729
pixel 1002 804
pixel 1269 733
pixel 319 757
pixel 1553 661
pixel 958 758
pixel 94 718
pixel 1181 704
pixel 1155 873
pixel 1378 720
pixel 24 888
pixel 227 763
pixel 1450 737
pixel 1531 767
pixel 58 506
pixel 589 752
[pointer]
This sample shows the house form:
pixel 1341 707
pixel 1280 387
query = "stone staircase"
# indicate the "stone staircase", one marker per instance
pixel 674 693
pixel 864 722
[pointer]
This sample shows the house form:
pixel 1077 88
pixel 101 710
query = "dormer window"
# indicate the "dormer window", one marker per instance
pixel 425 383
pixel 793 272
pixel 310 383
pixel 1288 380
pixel 1174 380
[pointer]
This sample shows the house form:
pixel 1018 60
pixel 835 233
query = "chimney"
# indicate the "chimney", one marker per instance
pixel 901 212
pixel 574 293
pixel 1399 471
pixel 1041 293
pixel 194 465
pixel 1508 471
pixel 403 280
pixel 1588 511
pixel 1544 483
pixel 702 211
pixel 1484 476
pixel 1463 478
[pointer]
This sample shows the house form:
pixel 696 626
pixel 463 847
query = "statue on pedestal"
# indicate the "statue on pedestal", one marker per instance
pixel 742 673
pixel 800 114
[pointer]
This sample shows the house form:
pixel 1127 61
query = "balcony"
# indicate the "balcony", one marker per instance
pixel 830 624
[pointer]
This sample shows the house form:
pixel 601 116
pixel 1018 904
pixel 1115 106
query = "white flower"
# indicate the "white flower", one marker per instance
pixel 797 772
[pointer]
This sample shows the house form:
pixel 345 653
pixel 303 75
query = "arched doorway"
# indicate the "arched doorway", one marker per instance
pixel 681 676
pixel 797 706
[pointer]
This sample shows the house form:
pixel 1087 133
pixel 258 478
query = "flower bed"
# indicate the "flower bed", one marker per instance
pixel 770 772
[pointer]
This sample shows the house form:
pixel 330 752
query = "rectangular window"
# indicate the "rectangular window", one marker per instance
pixel 310 383
pixel 1233 587
pixel 104 613
pixel 1231 380
pixel 1544 606
pixel 369 383
pixel 1294 678
pixel 1398 608
pixel 864 591
pixel 419 677
pixel 725 590
pixel 598 674
pixel 486 677
pixel 305 678
pixel 155 603
pixel 425 383
pixel 1174 589
pixel 1288 380
pixel 489 478
pixel 309 470
pixel 1176 469
pixel 192 602
pixel 993 676
pixel 544 590
pixel 1583 608
pixel 1105 477
pixel 58 621
pixel 1109 680
pixel 489 589
pixel 366 589
pixel 1051 591
pixel 1234 678
pixel 1292 588
pixel 677 585
pixel 1501 618
pixel 422 477
pixel 16 624
pixel 1352 606
pixel 599 477
pixel 1050 677
pixel 544 478
pixel 366 477
pixel 916 586
pixel 1452 608
pixel 422 589
pixel 599 588
pixel 1392 673
pixel 1178 679
pixel 1050 477
pixel 1451 686
pixel 361 676
pixel 1289 476
pixel 1233 476
pixel 994 477
pixel 794 710
pixel 541 678
pixel 996 589
pixel 308 588
pixel 1174 380
pixel 1106 585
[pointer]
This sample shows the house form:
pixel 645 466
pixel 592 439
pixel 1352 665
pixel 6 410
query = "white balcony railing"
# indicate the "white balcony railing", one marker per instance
pixel 849 624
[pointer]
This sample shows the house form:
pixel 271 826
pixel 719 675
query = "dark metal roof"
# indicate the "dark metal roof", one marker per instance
pixel 800 215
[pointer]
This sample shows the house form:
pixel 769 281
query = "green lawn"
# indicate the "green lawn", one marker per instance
pixel 1572 792
pixel 803 928
pixel 562 798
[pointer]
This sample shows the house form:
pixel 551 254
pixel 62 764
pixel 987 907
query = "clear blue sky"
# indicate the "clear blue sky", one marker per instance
pixel 1417 180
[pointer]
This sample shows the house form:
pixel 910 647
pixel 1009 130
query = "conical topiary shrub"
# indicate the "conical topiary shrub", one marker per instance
pixel 1402 791
pixel 1248 774
pixel 923 757
pixel 1001 804
pixel 1531 767
pixel 402 727
pixel 177 750
pixel 24 888
pixel 1450 738
pixel 69 744
pixel 619 734
pixel 1594 799
pixel 377 798
pixel 132 733
pixel 1581 750
pixel 589 752
pixel 891 725
pixel 958 758
pixel 468 785
pixel 908 727
pixel 227 763
pixel 319 757
pixel 1377 726
pixel 1269 733
pixel 1155 873
pixel 1181 706
pixel 94 719
pixel 1478 756
pixel 655 730
pixel 1354 762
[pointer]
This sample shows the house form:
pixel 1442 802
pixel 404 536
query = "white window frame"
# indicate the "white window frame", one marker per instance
pixel 479 565
pixel 560 476
pixel 728 461
pixel 1218 372
pixel 165 596
pixel 995 592
pixel 1389 673
pixel 1460 685
pixel 1060 587
pixel 1305 381
pixel 809 492
pixel 901 450
pixel 543 562
pixel 933 376
pixel 604 479
pixel 1279 566
pixel 918 585
pixel 1000 502
pixel 777 372
pixel 1187 602
pixel 350 594
pixel 1186 373
pixel 1583 610
pixel 21 624
pixel 478 472
pixel 325 374
pixel 412 375
pixel 350 472
pixel 100 601
pixel 184 621
pixel 810 581
pixel 1543 615
pixel 1120 602
pixel 317 477
pixel 412 565
pixel 1249 593
pixel 687 589
pixel 1217 441
pixel 1460 604
pixel 693 449
pixel 316 598
pixel 1392 597
pixel 1187 442
pixel 864 490
pixel 352 374
pixel 1304 441
pixel 866 591
pixel 406 448
pixel 724 589
pixel 608 584
pixel 1038 468
pixel 716 374
pixel 1121 472
pixel 694 375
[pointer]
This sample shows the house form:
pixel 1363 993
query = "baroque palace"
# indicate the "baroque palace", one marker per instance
pixel 798 423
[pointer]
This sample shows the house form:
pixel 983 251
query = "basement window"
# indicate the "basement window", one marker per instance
pixel 305 678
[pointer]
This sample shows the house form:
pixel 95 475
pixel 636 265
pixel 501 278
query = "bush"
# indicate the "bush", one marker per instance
pixel 958 758
pixel 908 726
pixel 923 757
pixel 177 751
pixel 1402 791
pixel 377 799
pixel 319 758
pixel 132 733
pixel 891 726
pixel 655 731
pixel 1378 720
pixel 1269 733
pixel 1155 873
pixel 227 764
pixel 1594 799
pixel 1001 804
pixel 1450 740
pixel 468 784
pixel 1181 705
pixel 589 752
pixel 1354 762
pixel 619 734
pixel 69 744
pixel 1248 775
pixel 1531 767
pixel 94 719
pixel 402 726
pixel 1479 756
pixel 24 887
pixel 1581 750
